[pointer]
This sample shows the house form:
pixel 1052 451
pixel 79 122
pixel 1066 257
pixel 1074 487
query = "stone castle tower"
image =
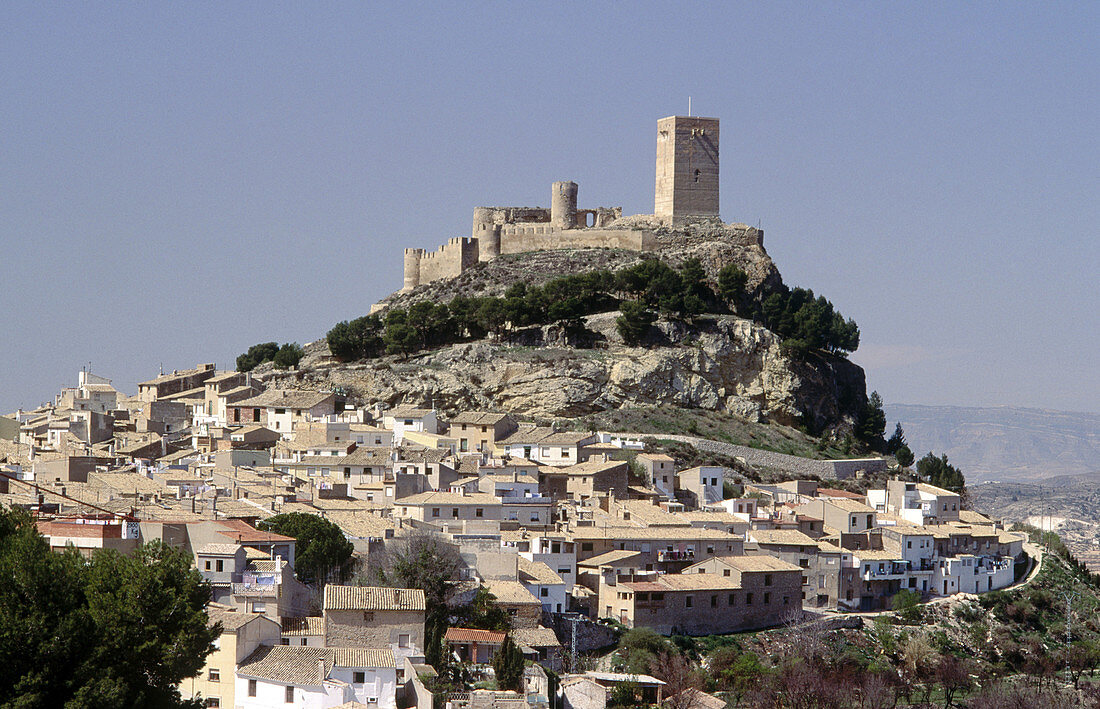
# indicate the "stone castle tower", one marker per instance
pixel 687 168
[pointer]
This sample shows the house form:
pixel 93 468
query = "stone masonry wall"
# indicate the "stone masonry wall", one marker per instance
pixel 793 464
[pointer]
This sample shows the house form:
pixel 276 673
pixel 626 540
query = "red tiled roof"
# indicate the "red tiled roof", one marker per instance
pixel 471 635
pixel 242 532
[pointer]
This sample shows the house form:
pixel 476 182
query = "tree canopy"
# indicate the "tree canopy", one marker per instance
pixel 111 631
pixel 642 291
pixel 938 472
pixel 282 357
pixel 322 552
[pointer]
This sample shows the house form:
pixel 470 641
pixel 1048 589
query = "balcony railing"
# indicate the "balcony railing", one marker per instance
pixel 676 555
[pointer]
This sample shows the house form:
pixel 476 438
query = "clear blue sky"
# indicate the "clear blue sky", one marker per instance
pixel 181 180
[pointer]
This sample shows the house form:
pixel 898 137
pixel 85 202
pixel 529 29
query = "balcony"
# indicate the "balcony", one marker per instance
pixel 676 555
pixel 893 570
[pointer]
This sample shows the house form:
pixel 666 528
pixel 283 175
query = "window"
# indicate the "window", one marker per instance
pixel 710 548
pixel 534 516
pixel 219 565
pixel 252 688
pixel 208 564
pixel 479 512
pixel 435 512
pixel 767 579
pixel 767 598
pixel 732 597
pixel 403 640
pixel 804 563
pixel 586 546
pixel 368 616
pixel 358 677
pixel 454 512
pixel 213 702
pixel 564 570
pixel 688 601
pixel 544 592
pixel 725 572
pixel 289 698
pixel 714 601
pixel 748 599
pixel 284 641
pixel 908 544
pixel 215 675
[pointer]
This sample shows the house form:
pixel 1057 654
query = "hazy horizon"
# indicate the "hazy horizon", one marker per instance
pixel 181 182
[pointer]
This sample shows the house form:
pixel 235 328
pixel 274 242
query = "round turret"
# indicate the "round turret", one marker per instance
pixel 563 205
pixel 412 268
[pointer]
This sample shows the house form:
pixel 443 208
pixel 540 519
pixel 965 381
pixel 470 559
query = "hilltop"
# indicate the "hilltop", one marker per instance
pixel 714 362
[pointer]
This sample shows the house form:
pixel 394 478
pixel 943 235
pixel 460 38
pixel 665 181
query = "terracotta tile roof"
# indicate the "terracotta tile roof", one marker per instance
pixel 831 492
pixel 215 549
pixel 785 537
pixel 472 635
pixel 293 664
pixel 288 664
pixel 244 533
pixel 373 598
pixel 537 572
pixel 310 625
pixel 478 418
pixel 511 592
pixel 449 498
pixel 757 562
pixel 610 558
pixel 361 657
pixel 535 637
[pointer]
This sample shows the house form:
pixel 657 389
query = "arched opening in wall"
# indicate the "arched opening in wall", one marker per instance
pixel 697 173
pixel 590 219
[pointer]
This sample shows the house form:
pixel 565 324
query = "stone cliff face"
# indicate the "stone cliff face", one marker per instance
pixel 720 363
pixel 723 364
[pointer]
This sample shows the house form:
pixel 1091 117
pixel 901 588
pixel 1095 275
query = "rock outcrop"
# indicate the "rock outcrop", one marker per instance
pixel 719 363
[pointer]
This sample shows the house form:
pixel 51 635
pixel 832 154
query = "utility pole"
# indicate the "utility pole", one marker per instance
pixel 1070 597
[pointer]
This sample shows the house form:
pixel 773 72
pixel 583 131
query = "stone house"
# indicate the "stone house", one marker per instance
pixel 474 646
pixel 917 503
pixel 660 470
pixel 523 607
pixel 843 515
pixel 175 383
pixel 700 486
pixel 544 445
pixel 760 591
pixel 827 576
pixel 282 409
pixel 584 480
pixel 375 617
pixel 480 430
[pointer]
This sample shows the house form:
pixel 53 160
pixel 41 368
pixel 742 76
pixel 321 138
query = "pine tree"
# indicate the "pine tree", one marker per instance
pixel 508 665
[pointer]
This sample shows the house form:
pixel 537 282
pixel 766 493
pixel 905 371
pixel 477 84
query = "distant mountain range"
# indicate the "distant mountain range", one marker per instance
pixel 1003 443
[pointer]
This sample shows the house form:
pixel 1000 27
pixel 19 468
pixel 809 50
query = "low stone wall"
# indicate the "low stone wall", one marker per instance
pixel 797 466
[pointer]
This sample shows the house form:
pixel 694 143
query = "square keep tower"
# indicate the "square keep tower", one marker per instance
pixel 687 168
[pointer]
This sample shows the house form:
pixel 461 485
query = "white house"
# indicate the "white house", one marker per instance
pixel 967 573
pixel 316 678
pixel 409 418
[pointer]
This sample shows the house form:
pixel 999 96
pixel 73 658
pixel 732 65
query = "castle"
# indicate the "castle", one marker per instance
pixel 686 187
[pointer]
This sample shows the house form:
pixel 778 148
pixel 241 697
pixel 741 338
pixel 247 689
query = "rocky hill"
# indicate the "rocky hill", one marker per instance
pixel 718 362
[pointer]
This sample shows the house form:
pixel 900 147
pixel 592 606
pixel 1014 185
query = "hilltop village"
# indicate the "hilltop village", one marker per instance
pixel 564 529
pixel 565 538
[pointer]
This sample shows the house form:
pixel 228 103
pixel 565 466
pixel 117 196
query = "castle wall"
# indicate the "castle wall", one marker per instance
pixel 450 260
pixel 517 238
